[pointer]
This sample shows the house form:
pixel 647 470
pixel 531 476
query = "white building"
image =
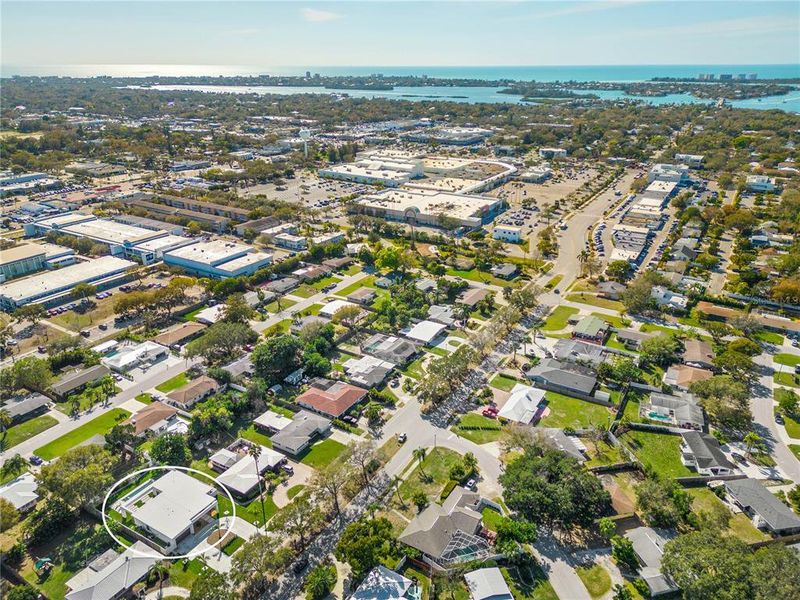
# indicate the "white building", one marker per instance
pixel 666 172
pixel 376 170
pixel 665 297
pixel 507 233
pixel 289 241
pixel 218 258
pixel 523 404
pixel 536 174
pixel 130 357
pixel 693 160
pixel 112 575
pixel 328 238
pixel 21 492
pixel 332 307
pixel 760 183
pixel 172 507
pixel 54 286
pixel 429 207
pixel 425 331
pixel 25 183
pixel 552 152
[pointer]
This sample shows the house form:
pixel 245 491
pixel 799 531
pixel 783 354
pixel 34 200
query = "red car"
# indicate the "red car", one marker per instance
pixel 490 411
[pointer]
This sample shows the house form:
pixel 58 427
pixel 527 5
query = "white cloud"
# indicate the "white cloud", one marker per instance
pixel 313 15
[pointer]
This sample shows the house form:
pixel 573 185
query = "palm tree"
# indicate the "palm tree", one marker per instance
pixel 462 312
pixel 14 466
pixel 396 481
pixel 255 452
pixel 751 439
pixel 526 339
pixel 159 569
pixel 5 421
pixel 470 462
pixel 420 454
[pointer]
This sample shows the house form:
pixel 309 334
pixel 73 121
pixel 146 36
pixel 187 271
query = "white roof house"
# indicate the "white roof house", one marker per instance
pixel 384 584
pixel 210 315
pixel 367 370
pixel 180 501
pixel 132 356
pixel 425 331
pixel 21 492
pixel 333 306
pixel 487 584
pixel 523 404
pixel 108 577
pixel 272 420
pixel 240 478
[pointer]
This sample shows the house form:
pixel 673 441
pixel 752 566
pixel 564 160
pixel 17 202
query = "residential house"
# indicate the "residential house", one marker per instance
pixel 425 285
pixel 449 533
pixel 21 492
pixel 666 298
pixel 172 508
pixel 363 295
pixel 676 411
pixel 330 398
pixel 367 370
pixel 762 506
pixel 334 306
pixel 472 296
pixel 441 313
pixel 282 286
pixel 504 270
pixel 569 444
pixel 112 575
pixel 487 584
pixel 180 334
pixel 563 377
pixel 23 407
pixel 238 467
pixel 631 338
pixel 298 435
pixel 682 376
pixel 74 382
pixel 610 289
pixel 389 348
pixel 591 329
pixel 271 422
pixel 190 394
pixel 155 418
pixel 130 357
pixel 698 353
pixel 702 452
pixel 240 367
pixel 648 544
pixel 577 351
pixel 425 332
pixel 337 263
pixel 524 405
pixel 384 584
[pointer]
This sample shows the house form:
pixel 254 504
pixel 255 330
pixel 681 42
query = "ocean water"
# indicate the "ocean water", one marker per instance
pixel 523 73
pixel 789 102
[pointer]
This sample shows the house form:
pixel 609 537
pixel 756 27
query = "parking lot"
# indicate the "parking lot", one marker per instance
pixel 309 190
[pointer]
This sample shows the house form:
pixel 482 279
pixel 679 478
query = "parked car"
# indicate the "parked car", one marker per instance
pixel 288 469
pixel 402 438
pixel 42 350
pixel 85 333
pixel 300 565
pixel 102 327
pixel 35 460
pixel 470 485
pixel 779 418
pixel 490 411
pixel 739 458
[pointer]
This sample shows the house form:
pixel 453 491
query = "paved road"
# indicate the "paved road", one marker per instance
pixel 762 405
pixel 67 424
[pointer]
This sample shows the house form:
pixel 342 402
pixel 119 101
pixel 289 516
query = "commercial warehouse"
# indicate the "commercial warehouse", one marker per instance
pixel 218 258
pixel 429 207
pixel 50 287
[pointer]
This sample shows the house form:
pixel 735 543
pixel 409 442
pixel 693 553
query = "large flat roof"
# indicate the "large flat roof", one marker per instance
pixel 18 253
pixel 429 202
pixel 166 241
pixel 111 231
pixel 245 261
pixel 212 252
pixel 65 278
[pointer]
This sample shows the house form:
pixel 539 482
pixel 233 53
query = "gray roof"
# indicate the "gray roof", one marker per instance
pixel 504 270
pixel 632 335
pixel 304 426
pixel 433 529
pixel 441 313
pixel 21 406
pixel 750 494
pixel 240 366
pixel 649 547
pixel 559 440
pixel 389 348
pixel 685 409
pixel 425 285
pixel 577 351
pixel 706 450
pixel 282 285
pixel 613 287
pixel 72 381
pixel 565 375
pixel 591 326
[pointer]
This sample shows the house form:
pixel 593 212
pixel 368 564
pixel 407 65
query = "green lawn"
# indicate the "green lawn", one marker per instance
pixel 788 379
pixel 322 453
pixel 659 450
pixel 285 303
pixel 304 291
pixel 528 583
pixel 232 546
pixel 557 319
pixel 606 454
pixel 97 426
pixel 477 428
pixel 792 426
pixel 24 431
pixel 784 358
pixel 325 281
pixel 572 412
pixel 252 434
pixel 596 579
pixel 294 490
pixel 739 525
pixel 592 300
pixel 312 310
pixel 184 575
pixel 145 398
pixel 278 328
pixel 414 369
pixel 368 281
pixel 429 478
pixel 180 380
pixel 795 448
pixel 553 282
pixel 491 518
pixel 192 314
pixel 503 382
pixel 618 322
pixel 770 337
pixel 612 342
pixel 250 512
pixel 650 327
pixel 476 275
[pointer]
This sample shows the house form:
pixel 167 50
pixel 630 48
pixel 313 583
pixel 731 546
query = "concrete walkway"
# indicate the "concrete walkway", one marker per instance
pixel 172 590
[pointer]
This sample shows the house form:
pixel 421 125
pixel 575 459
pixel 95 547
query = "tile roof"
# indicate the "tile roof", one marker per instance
pixel 334 400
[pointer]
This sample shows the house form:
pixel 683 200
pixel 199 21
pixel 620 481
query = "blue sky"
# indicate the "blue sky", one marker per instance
pixel 271 34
